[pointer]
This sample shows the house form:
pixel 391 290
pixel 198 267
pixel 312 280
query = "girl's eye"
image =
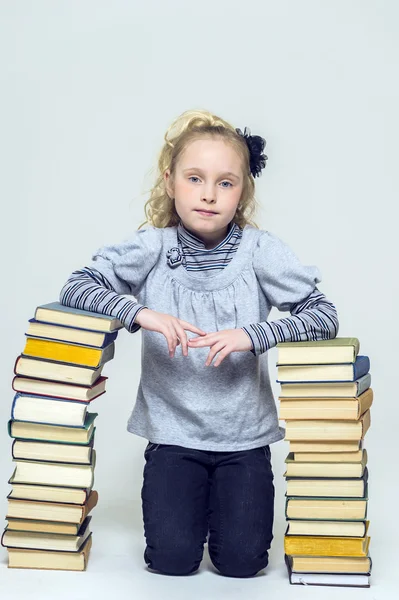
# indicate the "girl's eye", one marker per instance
pixel 228 182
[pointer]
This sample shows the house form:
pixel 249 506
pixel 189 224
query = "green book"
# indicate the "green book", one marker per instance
pixel 337 350
pixel 28 430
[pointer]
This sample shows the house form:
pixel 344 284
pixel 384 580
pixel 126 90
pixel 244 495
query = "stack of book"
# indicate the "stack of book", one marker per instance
pixel 325 400
pixel 57 376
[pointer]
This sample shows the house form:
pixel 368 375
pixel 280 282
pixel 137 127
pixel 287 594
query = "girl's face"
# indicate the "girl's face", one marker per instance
pixel 208 177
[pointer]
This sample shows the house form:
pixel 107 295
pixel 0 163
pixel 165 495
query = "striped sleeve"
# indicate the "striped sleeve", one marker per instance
pixel 315 318
pixel 88 289
pixel 115 271
pixel 290 286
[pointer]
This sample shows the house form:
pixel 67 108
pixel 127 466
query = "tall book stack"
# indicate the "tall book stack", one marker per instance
pixel 57 376
pixel 325 401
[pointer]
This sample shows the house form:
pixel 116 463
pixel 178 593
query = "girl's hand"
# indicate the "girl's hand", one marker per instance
pixel 171 327
pixel 226 341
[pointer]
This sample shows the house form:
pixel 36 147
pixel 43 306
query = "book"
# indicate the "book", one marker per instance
pixel 59 314
pixel 55 433
pixel 331 564
pixel 326 408
pixel 38 540
pixel 342 509
pixel 55 389
pixel 329 579
pixel 326 457
pixel 19 558
pixel 56 371
pixel 326 446
pixel 311 545
pixel 52 473
pixel 349 487
pixel 326 373
pixel 327 528
pixel 53 411
pixel 43 526
pixel 326 389
pixel 51 511
pixel 323 469
pixel 336 350
pixel 57 494
pixel 322 430
pixel 53 451
pixel 72 354
pixel 65 333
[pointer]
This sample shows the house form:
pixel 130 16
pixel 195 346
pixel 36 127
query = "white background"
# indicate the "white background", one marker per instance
pixel 88 89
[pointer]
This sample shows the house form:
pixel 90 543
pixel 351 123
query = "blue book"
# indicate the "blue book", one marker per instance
pixel 324 373
pixel 59 314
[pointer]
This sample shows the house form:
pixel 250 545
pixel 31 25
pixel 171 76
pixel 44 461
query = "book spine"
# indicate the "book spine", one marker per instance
pixel 17 395
pixel 16 363
pixel 12 449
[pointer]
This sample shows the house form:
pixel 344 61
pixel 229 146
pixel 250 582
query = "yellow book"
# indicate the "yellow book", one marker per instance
pixel 68 353
pixel 307 545
pixel 333 431
pixel 340 409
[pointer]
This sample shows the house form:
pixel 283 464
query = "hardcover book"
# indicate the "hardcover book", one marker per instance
pixel 336 350
pixel 325 373
pixel 57 313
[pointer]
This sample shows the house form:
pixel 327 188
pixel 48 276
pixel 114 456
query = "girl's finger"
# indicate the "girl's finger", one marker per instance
pixel 213 351
pixel 192 328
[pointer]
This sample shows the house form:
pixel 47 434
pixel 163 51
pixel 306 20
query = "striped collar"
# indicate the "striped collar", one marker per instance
pixel 189 240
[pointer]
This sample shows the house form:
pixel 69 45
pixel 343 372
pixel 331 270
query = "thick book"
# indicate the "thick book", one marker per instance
pixel 54 389
pixel 48 493
pixel 64 333
pixel 43 526
pixel 56 371
pixel 22 558
pixel 51 511
pixel 326 389
pixel 312 545
pixel 53 433
pixel 323 430
pixel 53 451
pixel 59 314
pixel 72 354
pixel 324 469
pixel 327 528
pixel 52 473
pixel 341 409
pixel 337 350
pixel 325 373
pixel 349 487
pixel 327 579
pixel 52 411
pixel 331 509
pixel 328 457
pixel 326 446
pixel 331 564
pixel 38 540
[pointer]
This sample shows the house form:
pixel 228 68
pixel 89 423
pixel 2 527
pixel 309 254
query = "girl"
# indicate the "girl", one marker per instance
pixel 202 267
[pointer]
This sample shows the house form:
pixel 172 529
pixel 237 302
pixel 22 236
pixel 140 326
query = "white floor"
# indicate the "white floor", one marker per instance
pixel 116 571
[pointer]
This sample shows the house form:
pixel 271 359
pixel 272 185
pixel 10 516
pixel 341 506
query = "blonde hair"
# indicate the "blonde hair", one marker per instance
pixel 189 126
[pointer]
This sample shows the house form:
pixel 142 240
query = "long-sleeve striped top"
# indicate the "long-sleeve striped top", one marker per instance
pixel 313 318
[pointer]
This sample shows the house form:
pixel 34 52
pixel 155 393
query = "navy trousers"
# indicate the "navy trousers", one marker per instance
pixel 188 494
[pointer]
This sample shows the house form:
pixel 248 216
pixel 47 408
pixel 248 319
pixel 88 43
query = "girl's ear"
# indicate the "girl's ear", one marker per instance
pixel 168 183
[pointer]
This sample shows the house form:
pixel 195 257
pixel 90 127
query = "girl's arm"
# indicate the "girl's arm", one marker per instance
pixel 315 318
pixel 289 286
pixel 115 270
pixel 88 289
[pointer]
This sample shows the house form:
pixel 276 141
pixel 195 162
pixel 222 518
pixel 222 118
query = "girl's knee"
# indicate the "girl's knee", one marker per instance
pixel 236 562
pixel 173 560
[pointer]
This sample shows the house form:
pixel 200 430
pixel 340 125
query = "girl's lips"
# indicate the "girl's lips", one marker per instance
pixel 204 212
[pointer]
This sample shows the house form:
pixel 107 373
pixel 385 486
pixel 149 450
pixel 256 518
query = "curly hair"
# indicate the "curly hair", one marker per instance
pixel 189 126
